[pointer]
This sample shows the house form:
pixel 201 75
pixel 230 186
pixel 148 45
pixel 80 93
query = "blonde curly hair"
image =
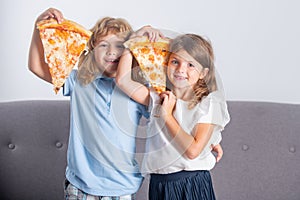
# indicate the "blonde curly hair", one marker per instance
pixel 201 50
pixel 87 67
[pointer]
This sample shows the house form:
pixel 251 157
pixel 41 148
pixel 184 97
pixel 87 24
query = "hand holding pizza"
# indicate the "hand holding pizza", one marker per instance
pixel 168 103
pixel 51 13
pixel 152 33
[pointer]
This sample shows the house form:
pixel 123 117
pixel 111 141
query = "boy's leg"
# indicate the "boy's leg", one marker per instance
pixel 73 193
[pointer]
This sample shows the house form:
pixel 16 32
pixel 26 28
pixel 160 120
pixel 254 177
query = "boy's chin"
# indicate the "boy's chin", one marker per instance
pixel 110 73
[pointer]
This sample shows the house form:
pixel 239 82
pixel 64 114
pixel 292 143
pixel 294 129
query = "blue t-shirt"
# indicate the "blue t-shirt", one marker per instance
pixel 103 126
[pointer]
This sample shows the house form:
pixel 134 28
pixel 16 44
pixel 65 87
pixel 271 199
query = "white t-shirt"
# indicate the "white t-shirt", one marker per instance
pixel 161 154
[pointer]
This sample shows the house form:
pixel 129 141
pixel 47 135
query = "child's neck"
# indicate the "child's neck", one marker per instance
pixel 185 94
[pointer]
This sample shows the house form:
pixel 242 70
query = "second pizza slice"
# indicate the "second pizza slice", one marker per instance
pixel 152 58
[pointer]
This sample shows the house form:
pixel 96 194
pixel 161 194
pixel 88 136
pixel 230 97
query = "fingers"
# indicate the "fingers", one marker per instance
pixel 168 100
pixel 170 94
pixel 219 156
pixel 168 97
pixel 51 13
pixel 152 33
pixel 57 15
pixel 219 150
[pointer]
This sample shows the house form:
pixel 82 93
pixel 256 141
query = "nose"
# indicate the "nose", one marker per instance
pixel 181 68
pixel 111 51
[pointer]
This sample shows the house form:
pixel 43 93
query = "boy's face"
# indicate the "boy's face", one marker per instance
pixel 107 54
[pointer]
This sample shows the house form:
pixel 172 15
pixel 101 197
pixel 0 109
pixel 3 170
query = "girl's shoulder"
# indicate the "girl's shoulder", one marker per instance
pixel 213 108
pixel 214 99
pixel 215 96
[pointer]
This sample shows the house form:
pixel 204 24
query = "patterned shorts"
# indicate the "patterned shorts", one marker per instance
pixel 73 193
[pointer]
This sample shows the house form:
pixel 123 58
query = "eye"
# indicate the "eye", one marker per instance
pixel 120 46
pixel 174 62
pixel 191 65
pixel 103 45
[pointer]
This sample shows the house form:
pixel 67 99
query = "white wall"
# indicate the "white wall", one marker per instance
pixel 257 42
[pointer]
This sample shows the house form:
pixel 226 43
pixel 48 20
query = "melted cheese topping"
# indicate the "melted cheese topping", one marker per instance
pixel 62 49
pixel 153 59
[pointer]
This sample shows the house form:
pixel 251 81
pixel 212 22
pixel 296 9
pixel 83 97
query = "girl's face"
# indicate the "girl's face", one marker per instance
pixel 183 70
pixel 107 54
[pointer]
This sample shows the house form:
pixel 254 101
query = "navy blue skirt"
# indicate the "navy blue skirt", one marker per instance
pixel 183 185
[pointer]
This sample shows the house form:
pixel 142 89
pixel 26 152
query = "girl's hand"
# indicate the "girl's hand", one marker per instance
pixel 51 13
pixel 152 33
pixel 168 104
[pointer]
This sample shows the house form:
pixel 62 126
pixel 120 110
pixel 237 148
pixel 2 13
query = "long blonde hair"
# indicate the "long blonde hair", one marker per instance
pixel 87 67
pixel 201 50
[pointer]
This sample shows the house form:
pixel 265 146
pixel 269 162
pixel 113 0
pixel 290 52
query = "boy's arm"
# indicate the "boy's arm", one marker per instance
pixel 219 150
pixel 36 59
pixel 133 89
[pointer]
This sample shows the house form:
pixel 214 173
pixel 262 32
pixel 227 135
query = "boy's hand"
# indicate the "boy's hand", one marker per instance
pixel 152 33
pixel 219 150
pixel 51 13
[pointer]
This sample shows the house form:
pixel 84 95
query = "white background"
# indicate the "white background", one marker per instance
pixel 256 42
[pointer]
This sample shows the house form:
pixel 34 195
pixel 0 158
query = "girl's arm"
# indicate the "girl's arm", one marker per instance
pixel 192 145
pixel 133 89
pixel 36 59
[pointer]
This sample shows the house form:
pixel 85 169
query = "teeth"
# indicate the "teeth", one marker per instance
pixel 112 60
pixel 177 76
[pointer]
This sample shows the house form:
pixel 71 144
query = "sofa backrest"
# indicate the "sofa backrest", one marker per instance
pixel 261 151
pixel 34 138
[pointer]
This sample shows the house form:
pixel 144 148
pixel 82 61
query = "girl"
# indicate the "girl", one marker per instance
pixel 103 123
pixel 192 114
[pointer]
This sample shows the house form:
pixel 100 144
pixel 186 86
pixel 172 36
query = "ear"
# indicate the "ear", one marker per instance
pixel 203 73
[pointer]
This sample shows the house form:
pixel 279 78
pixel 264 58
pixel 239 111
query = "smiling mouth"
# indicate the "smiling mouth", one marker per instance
pixel 113 61
pixel 177 77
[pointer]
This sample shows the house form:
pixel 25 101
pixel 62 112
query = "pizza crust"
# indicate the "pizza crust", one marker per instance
pixel 66 25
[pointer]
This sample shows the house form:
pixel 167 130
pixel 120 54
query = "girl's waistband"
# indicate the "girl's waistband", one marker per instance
pixel 177 175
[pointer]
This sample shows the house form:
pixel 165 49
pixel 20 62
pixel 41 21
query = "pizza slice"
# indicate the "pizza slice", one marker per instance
pixel 152 58
pixel 63 43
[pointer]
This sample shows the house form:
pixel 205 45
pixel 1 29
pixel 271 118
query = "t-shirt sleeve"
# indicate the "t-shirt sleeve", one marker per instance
pixel 214 111
pixel 69 84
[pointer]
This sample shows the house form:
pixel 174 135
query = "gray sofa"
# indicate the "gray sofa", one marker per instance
pixel 261 151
